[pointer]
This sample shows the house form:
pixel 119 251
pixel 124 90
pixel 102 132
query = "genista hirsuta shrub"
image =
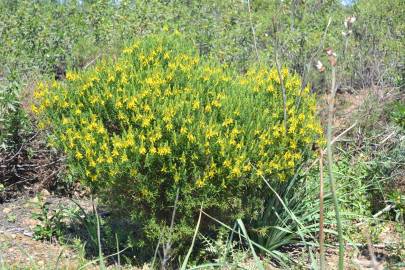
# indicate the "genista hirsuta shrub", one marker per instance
pixel 160 119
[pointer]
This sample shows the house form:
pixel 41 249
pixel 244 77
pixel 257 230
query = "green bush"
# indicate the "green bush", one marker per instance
pixel 160 118
pixel 13 119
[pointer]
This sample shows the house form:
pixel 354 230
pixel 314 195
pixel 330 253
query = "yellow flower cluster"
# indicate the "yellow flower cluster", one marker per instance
pixel 162 114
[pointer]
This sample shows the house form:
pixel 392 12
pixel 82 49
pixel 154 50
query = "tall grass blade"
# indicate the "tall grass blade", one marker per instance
pixel 257 260
pixel 100 252
pixel 58 259
pixel 321 215
pixel 156 250
pixel 330 165
pixel 280 257
pixel 293 217
pixel 118 250
pixel 104 257
pixel 184 265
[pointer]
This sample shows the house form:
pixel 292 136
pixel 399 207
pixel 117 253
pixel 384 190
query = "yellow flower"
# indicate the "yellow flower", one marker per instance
pixel 236 171
pixel 247 168
pixel 196 105
pixel 78 155
pixel 270 88
pixel 77 111
pixel 111 78
pixel 164 150
pixel 227 163
pixel 227 122
pixel 100 159
pixel 183 130
pixel 34 109
pixel 71 76
pixel 200 183
pixel 176 177
pixel 210 133
pixel 191 137
pixel 92 163
pixel 152 150
pixel 169 126
pixel 284 72
pixel 183 159
pixel 145 122
pixel 128 50
pixel 282 176
pixel 118 104
pixel 109 160
pixel 133 172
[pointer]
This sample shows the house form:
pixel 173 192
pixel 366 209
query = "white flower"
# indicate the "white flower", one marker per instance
pixel 349 21
pixel 320 66
pixel 352 19
pixel 329 51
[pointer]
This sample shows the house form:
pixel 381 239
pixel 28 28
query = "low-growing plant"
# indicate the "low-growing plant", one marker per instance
pixel 161 119
pixel 398 114
pixel 51 226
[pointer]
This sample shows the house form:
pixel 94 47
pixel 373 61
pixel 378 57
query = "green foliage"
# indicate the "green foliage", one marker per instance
pixel 13 119
pixel 51 221
pixel 378 45
pixel 47 37
pixel 296 216
pixel 397 198
pixel 160 118
pixel 398 114
pixel 95 123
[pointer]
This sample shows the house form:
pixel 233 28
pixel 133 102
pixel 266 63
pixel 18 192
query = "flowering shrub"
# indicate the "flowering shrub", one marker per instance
pixel 160 118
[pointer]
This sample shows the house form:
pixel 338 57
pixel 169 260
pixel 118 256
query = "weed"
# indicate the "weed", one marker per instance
pixel 51 226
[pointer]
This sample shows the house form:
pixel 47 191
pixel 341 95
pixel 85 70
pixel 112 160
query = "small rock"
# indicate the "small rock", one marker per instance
pixel 29 234
pixel 45 193
pixel 7 210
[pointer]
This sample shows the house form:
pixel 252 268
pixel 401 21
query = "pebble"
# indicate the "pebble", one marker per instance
pixel 7 210
pixel 45 193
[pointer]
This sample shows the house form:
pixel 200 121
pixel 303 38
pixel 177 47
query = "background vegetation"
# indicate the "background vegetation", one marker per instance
pixel 53 41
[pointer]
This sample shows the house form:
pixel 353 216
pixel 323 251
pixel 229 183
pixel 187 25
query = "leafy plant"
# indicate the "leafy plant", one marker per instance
pixel 398 114
pixel 161 118
pixel 11 217
pixel 51 226
pixel 13 120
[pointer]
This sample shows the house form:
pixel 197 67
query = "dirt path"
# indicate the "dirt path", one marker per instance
pixel 17 246
pixel 20 251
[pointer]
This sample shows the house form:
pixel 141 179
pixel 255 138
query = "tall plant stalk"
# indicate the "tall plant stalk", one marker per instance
pixel 278 66
pixel 321 215
pixel 253 30
pixel 168 246
pixel 330 163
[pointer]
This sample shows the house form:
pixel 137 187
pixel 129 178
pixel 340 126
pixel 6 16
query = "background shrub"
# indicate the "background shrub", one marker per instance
pixel 161 119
